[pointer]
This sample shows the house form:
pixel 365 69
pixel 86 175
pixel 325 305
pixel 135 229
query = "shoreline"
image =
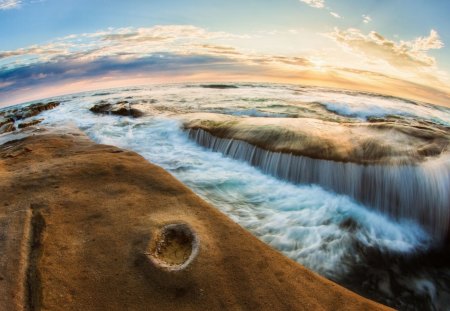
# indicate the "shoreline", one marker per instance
pixel 93 210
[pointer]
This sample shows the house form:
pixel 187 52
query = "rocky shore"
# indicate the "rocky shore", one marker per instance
pixel 19 118
pixel 94 227
pixel 377 141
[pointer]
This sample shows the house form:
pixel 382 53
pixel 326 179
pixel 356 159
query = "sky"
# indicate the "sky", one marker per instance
pixel 393 47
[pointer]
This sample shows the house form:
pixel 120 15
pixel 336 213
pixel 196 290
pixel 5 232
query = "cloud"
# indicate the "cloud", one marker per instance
pixel 433 41
pixel 33 50
pixel 127 51
pixel 3 85
pixel 366 19
pixel 285 60
pixel 334 14
pixel 10 4
pixel 122 42
pixel 403 54
pixel 51 72
pixel 318 4
pixel 187 52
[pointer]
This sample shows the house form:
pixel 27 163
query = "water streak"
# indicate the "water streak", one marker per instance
pixel 418 192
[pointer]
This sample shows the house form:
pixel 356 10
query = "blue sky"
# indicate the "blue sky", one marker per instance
pixel 402 41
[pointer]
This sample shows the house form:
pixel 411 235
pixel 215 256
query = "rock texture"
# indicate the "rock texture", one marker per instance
pixel 9 117
pixel 219 86
pixel 374 142
pixel 29 123
pixel 7 127
pixel 76 219
pixel 122 108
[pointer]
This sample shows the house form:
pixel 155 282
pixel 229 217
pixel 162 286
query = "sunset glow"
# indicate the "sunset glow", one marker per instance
pixel 325 43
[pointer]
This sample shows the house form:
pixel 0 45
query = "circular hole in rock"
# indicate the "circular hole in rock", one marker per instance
pixel 175 247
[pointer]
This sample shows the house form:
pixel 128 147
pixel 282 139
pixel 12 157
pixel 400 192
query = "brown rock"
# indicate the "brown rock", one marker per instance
pixel 7 127
pixel 383 142
pixel 219 86
pixel 29 123
pixel 39 107
pixel 30 111
pixel 122 108
pixel 84 246
pixel 5 121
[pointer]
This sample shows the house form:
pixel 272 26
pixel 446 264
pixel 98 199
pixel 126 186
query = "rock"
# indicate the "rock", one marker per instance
pixel 169 254
pixel 5 121
pixel 30 111
pixel 36 109
pixel 85 248
pixel 29 123
pixel 381 142
pixel 122 108
pixel 430 150
pixel 174 247
pixel 219 86
pixel 7 127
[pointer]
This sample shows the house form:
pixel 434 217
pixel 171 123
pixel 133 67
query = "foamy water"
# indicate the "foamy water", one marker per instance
pixel 329 233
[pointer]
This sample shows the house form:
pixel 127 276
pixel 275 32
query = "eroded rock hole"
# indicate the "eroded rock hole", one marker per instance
pixel 175 246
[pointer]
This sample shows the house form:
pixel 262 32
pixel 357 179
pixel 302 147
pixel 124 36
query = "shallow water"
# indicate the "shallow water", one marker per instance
pixel 327 232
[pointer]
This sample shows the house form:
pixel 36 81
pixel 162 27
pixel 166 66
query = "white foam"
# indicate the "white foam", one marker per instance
pixel 363 107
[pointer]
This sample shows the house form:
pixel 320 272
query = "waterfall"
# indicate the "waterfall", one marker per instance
pixel 417 192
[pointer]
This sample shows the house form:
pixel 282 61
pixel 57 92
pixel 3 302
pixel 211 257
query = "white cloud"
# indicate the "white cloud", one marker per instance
pixel 401 54
pixel 125 43
pixel 10 4
pixel 334 14
pixel 319 4
pixel 196 49
pixel 366 19
pixel 433 41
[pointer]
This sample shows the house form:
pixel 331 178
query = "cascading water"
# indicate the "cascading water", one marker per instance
pixel 418 192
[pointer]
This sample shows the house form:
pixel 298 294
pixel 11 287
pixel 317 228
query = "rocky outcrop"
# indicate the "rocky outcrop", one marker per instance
pixel 399 168
pixel 122 108
pixel 29 123
pixel 4 121
pixel 7 127
pixel 80 220
pixel 380 142
pixel 12 115
pixel 219 86
pixel 35 109
pixel 30 110
pixel 418 192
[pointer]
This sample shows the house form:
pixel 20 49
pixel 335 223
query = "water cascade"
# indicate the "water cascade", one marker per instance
pixel 419 192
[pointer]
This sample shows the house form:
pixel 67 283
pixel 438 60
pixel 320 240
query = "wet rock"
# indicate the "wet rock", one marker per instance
pixel 122 108
pixel 349 224
pixel 219 86
pixel 430 150
pixel 10 116
pixel 29 123
pixel 360 143
pixel 5 121
pixel 30 111
pixel 38 108
pixel 7 127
